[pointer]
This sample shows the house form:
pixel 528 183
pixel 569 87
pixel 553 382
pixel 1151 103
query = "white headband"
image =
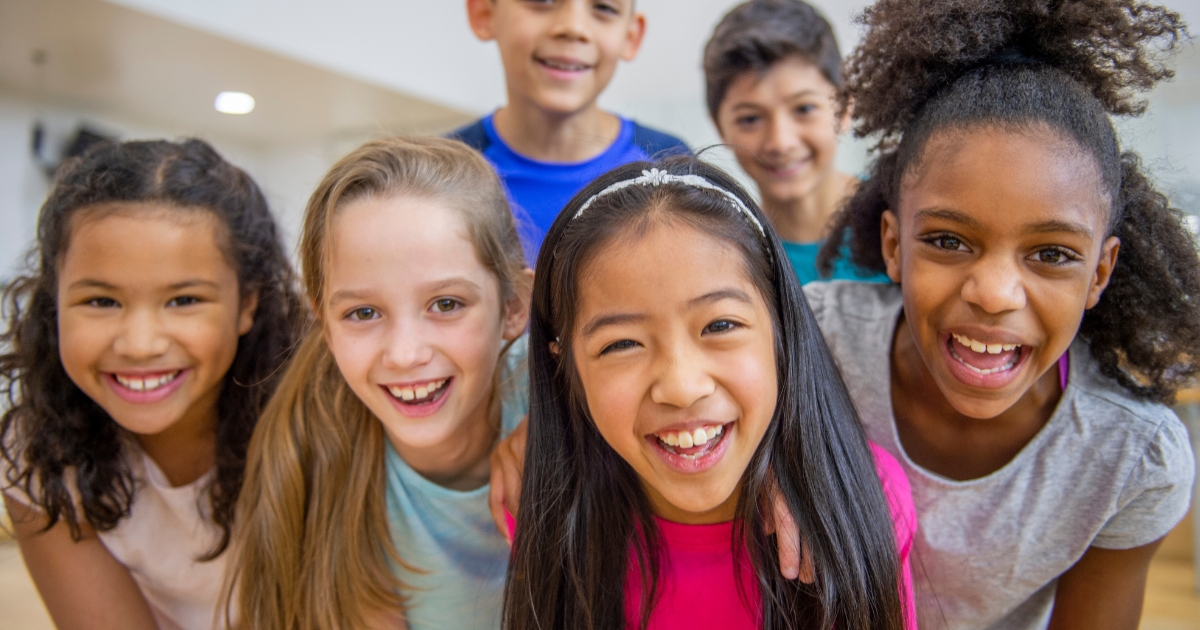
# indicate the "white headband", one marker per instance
pixel 655 177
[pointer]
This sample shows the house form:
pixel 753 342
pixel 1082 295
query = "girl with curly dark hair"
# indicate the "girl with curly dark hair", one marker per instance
pixel 1046 305
pixel 140 350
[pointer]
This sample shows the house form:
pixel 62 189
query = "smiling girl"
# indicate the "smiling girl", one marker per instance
pixel 140 352
pixel 1047 305
pixel 366 497
pixel 677 375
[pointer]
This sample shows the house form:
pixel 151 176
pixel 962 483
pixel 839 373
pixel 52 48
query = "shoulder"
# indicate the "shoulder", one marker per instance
pixel 843 301
pixel 473 135
pixel 898 492
pixel 656 144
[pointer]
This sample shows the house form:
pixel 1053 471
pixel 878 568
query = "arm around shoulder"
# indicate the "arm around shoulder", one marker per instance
pixel 81 583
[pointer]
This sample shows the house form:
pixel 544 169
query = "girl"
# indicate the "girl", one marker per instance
pixel 365 502
pixel 677 374
pixel 772 70
pixel 141 350
pixel 1047 305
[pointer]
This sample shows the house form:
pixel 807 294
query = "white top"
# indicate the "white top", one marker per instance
pixel 1107 470
pixel 160 541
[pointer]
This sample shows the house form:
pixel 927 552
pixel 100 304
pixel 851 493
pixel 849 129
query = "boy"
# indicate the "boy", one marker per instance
pixel 552 139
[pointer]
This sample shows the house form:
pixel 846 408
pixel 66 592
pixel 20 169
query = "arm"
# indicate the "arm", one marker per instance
pixel 508 463
pixel 1104 590
pixel 81 583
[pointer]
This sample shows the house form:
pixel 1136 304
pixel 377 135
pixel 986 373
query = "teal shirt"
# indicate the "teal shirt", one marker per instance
pixel 804 262
pixel 449 535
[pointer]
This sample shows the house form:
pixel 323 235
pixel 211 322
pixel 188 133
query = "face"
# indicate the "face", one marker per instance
pixel 675 350
pixel 559 54
pixel 783 128
pixel 414 320
pixel 999 242
pixel 149 315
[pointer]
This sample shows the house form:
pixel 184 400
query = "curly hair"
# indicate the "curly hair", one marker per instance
pixel 1026 66
pixel 51 427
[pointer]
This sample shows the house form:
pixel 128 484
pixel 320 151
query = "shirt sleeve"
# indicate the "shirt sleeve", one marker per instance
pixel 898 492
pixel 1156 495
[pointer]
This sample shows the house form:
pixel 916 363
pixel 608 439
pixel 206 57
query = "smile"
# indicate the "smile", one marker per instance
pixel 562 65
pixel 147 383
pixel 145 388
pixel 691 450
pixel 416 395
pixel 984 364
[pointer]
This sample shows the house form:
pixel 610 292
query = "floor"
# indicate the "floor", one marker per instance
pixel 1172 602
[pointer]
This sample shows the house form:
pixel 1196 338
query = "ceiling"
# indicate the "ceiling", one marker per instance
pixel 115 60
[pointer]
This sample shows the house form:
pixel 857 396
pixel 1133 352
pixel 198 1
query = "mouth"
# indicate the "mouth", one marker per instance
pixel 145 388
pixel 420 399
pixel 693 449
pixel 982 363
pixel 788 169
pixel 563 66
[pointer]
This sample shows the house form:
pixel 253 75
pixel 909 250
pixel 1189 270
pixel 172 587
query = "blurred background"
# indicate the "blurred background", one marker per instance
pixel 327 75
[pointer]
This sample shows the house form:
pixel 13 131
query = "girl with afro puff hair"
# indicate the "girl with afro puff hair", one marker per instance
pixel 1046 304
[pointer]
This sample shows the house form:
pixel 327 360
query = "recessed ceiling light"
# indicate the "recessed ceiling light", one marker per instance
pixel 234 103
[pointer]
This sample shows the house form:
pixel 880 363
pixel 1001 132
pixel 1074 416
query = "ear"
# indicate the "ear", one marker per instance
pixel 479 16
pixel 1104 270
pixel 246 312
pixel 555 349
pixel 889 237
pixel 516 312
pixel 633 37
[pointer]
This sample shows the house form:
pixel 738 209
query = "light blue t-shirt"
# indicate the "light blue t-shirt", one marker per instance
pixel 803 257
pixel 450 535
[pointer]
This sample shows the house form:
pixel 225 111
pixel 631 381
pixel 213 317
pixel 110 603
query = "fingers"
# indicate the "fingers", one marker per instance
pixel 787 536
pixel 508 464
pixel 496 496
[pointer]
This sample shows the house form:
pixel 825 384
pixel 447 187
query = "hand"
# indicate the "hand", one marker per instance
pixel 508 464
pixel 795 557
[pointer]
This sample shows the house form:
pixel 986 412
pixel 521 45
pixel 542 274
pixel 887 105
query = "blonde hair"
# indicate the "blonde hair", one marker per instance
pixel 312 546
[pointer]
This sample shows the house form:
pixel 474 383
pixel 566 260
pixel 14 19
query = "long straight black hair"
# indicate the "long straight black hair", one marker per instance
pixel 582 507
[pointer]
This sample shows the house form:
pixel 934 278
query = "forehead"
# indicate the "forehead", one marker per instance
pixel 794 75
pixel 1007 178
pixel 660 270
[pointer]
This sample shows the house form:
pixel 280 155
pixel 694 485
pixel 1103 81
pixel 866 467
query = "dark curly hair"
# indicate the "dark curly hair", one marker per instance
pixel 756 35
pixel 51 426
pixel 1025 66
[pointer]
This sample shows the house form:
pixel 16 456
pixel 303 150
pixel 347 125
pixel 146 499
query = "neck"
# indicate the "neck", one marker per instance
pixel 462 461
pixel 664 509
pixel 187 449
pixel 553 136
pixel 941 439
pixel 805 218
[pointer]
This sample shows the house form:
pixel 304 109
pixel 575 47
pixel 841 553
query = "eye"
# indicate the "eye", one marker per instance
pixel 745 121
pixel 617 346
pixel 183 300
pixel 806 109
pixel 948 242
pixel 102 302
pixel 1055 256
pixel 720 326
pixel 608 7
pixel 446 305
pixel 363 314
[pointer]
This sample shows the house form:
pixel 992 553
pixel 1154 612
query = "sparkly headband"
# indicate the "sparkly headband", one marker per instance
pixel 655 177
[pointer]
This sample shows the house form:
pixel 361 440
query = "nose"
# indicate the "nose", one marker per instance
pixel 570 20
pixel 682 378
pixel 408 346
pixel 783 136
pixel 995 285
pixel 142 336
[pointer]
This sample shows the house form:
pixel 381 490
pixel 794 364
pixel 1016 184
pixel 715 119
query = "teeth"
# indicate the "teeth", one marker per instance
pixel 980 347
pixel 699 437
pixel 688 439
pixel 685 440
pixel 145 384
pixel 710 432
pixel 672 439
pixel 409 394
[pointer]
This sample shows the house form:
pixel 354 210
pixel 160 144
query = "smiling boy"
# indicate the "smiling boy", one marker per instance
pixel 551 138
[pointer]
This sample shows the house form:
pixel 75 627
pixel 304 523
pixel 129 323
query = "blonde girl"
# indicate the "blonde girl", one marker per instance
pixel 365 501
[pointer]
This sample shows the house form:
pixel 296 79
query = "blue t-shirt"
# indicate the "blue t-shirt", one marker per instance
pixel 803 257
pixel 449 535
pixel 537 191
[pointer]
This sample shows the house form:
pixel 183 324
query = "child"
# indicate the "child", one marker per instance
pixel 552 138
pixel 140 352
pixel 1047 305
pixel 772 70
pixel 365 503
pixel 677 375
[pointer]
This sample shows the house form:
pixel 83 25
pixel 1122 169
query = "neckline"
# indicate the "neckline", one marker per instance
pixel 1025 453
pixel 624 136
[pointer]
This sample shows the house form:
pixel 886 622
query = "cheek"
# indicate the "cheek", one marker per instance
pixel 355 355
pixel 612 400
pixel 81 343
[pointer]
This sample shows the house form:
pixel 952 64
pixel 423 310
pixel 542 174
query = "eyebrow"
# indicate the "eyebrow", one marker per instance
pixel 1042 227
pixel 440 285
pixel 92 283
pixel 627 318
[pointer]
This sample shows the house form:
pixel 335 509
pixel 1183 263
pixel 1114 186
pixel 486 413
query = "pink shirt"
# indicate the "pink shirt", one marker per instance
pixel 698 589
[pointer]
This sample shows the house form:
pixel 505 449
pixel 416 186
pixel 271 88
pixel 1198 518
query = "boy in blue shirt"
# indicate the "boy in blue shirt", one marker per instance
pixel 551 139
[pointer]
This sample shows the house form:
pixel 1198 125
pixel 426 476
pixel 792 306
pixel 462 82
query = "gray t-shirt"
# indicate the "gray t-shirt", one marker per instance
pixel 1107 471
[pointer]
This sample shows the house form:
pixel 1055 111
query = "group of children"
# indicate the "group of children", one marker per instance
pixel 556 372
